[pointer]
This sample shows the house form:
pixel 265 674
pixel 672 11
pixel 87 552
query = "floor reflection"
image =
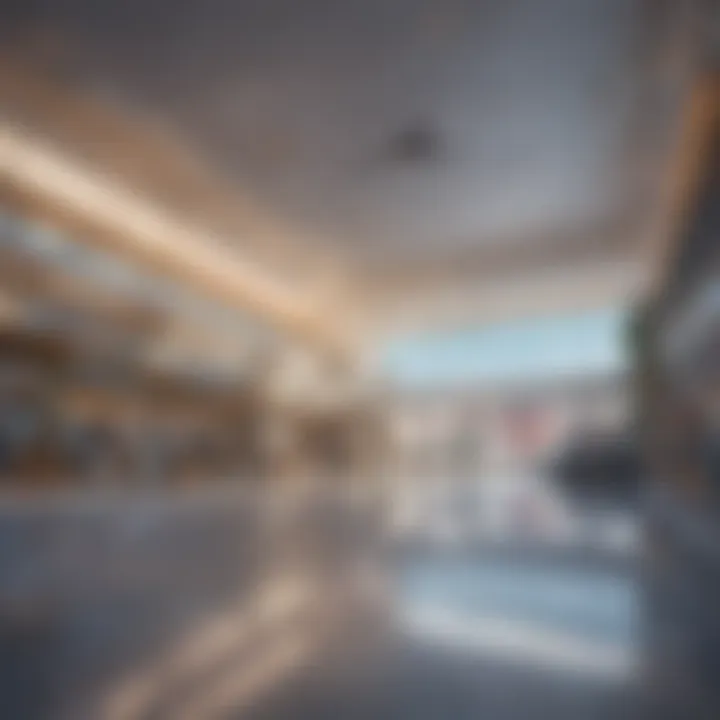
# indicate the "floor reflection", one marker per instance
pixel 477 636
pixel 552 614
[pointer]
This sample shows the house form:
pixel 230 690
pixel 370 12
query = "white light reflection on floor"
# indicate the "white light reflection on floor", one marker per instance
pixel 579 622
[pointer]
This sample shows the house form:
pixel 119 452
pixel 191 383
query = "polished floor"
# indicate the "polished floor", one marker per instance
pixel 480 639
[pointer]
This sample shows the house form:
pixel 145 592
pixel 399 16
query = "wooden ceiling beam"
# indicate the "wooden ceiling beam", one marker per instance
pixel 59 188
pixel 682 179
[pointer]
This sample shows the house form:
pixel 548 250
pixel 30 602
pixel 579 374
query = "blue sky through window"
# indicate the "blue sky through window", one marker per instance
pixel 582 343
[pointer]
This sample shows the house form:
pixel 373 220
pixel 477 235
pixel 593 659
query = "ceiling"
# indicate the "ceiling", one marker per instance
pixel 398 152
